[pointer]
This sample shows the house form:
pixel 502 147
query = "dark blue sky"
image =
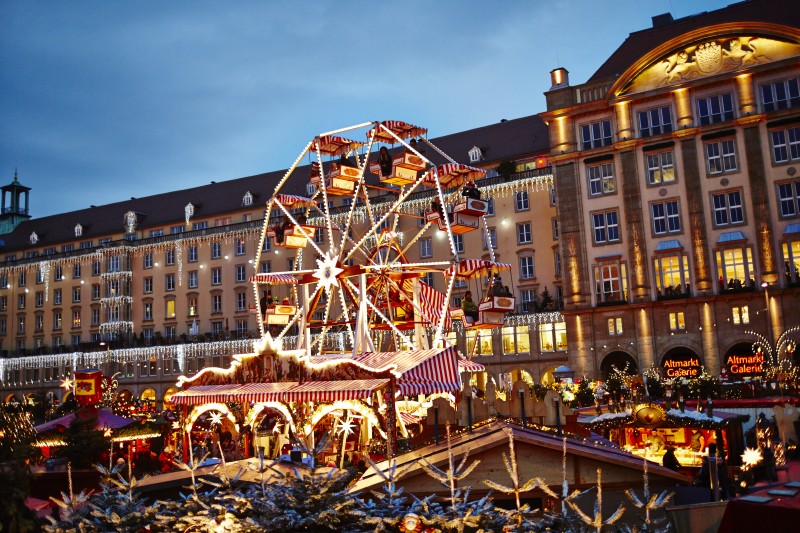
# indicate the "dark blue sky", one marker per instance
pixel 104 100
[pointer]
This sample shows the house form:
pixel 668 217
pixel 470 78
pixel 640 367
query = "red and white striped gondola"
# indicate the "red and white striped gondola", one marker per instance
pixel 285 233
pixel 465 214
pixel 494 305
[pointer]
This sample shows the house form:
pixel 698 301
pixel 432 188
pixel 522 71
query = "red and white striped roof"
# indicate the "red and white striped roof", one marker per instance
pixel 399 128
pixel 408 419
pixel 287 391
pixel 269 278
pixel 421 371
pixel 469 268
pixel 432 302
pixel 333 145
pixel 293 200
pixel 452 174
pixel 466 365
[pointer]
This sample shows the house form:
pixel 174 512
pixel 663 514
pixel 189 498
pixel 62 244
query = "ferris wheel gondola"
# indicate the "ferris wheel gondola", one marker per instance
pixel 494 304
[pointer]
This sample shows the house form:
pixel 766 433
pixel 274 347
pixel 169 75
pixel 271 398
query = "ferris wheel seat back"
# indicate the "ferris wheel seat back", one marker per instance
pixel 472 206
pixel 335 186
pixel 503 304
pixel 400 176
pixel 344 172
pixel 460 223
pixel 279 315
pixel 293 237
pixel 409 160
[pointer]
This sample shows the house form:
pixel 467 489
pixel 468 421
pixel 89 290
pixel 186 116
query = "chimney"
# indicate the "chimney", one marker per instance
pixel 559 77
pixel 662 20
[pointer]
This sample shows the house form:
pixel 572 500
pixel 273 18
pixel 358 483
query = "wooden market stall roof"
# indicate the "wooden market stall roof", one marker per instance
pixel 283 391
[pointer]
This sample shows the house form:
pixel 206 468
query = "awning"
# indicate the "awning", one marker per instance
pixel 421 371
pixel 401 129
pixel 431 304
pixel 465 365
pixel 452 174
pixel 671 244
pixel 333 145
pixel 408 419
pixel 104 420
pixel 791 229
pixel 293 201
pixel 469 268
pixel 288 391
pixel 273 279
pixel 730 236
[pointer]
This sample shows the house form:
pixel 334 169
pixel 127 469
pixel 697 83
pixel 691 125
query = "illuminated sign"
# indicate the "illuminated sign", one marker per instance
pixel 745 365
pixel 682 366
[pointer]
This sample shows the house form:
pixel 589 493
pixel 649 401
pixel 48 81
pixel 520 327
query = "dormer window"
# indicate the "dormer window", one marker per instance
pixel 310 189
pixel 475 154
pixel 248 198
pixel 34 238
pixel 78 230
pixel 188 212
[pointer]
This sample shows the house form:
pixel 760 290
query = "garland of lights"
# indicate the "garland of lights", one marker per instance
pixel 117 326
pixel 44 268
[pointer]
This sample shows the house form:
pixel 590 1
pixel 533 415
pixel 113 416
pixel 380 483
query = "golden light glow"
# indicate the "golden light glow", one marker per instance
pixel 624 120
pixel 751 457
pixel 683 106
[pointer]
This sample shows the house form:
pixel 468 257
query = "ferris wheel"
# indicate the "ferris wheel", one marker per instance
pixel 348 240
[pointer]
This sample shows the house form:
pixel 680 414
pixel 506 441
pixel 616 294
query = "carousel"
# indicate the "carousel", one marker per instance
pixel 353 341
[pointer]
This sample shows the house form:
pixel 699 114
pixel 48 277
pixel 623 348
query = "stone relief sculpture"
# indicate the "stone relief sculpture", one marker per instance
pixel 711 57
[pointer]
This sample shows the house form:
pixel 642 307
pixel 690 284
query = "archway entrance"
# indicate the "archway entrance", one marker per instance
pixel 740 362
pixel 618 360
pixel 681 362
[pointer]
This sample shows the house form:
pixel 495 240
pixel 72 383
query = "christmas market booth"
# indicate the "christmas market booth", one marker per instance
pixel 649 430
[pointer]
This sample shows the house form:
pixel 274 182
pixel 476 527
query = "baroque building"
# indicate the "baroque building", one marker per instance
pixel 680 156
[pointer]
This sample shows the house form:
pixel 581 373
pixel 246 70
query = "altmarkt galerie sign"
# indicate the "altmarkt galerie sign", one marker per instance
pixel 681 365
pixel 745 365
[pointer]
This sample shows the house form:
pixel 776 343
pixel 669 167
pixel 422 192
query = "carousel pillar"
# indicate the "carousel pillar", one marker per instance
pixel 391 420
pixel 185 433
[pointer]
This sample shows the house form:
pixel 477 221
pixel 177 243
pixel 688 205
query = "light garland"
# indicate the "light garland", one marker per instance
pixel 179 259
pixel 116 326
pixel 120 275
pixel 44 268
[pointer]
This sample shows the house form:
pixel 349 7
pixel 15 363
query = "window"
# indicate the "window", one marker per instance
pixel 557 262
pixel 553 197
pixel 216 250
pixel 606 227
pixel 666 217
pixel 319 235
pixel 21 326
pixel 524 235
pixel 169 332
pixel 527 299
pixel 193 279
pixel 266 246
pixel 192 305
pixel 147 311
pixel 554 227
pixel 780 95
pixel 241 328
pixel 611 282
pixel 521 202
pixel 56 319
pixel 791 263
pixel 721 156
pixel 241 301
pixel 170 308
pixel 240 274
pixel 655 121
pixel 428 279
pixel 156 232
pixel 781 152
pixel 39 299
pixel 241 247
pixel 672 275
pixel 95 291
pixel 76 271
pixel 57 297
pixel 458 240
pixel 169 256
pixel 114 263
pixel 21 301
pixel 741 315
pixel 676 321
pixel 596 134
pixel 728 208
pixel 148 285
pixel 789 198
pixel 76 294
pixel 199 225
pixel 490 207
pixel 615 326
pixel 216 303
pixel 492 239
pixel 192 254
pixel 95 268
pixel 265 267
pixel 516 339
pixel 39 277
pixel 95 316
pixel 22 279
pixel 526 267
pixel 660 168
pixel 58 273
pixel 713 109
pixel 76 340
pixel 76 318
pixel 216 328
pixel 38 323
pixel 86 245
pixel 174 230
pixel 425 248
pixel 216 276
pixel 553 337
pixel 735 268
pixel 483 340
pixel 222 221
pixel 169 282
pixel 4 302
pixel 601 179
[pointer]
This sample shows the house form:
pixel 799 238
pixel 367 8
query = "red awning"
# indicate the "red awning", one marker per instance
pixel 465 365
pixel 421 371
pixel 401 129
pixel 452 174
pixel 408 419
pixel 333 145
pixel 469 268
pixel 293 201
pixel 289 391
pixel 268 278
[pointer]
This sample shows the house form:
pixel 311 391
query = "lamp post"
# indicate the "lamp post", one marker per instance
pixel 557 402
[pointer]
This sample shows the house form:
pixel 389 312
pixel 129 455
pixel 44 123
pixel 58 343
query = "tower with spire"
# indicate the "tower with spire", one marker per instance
pixel 15 205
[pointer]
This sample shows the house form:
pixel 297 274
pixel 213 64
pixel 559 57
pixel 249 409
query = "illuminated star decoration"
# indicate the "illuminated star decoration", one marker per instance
pixel 751 456
pixel 215 418
pixel 327 272
pixel 106 432
pixel 346 427
pixel 176 425
pixel 277 428
pixel 67 383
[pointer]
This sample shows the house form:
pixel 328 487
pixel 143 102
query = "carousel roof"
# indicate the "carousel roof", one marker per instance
pixel 105 420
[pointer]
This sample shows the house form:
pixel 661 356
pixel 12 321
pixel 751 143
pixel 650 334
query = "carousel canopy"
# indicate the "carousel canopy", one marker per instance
pixel 333 145
pixel 452 174
pixel 269 278
pixel 285 391
pixel 470 268
pixel 420 371
pixel 104 420
pixel 401 129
